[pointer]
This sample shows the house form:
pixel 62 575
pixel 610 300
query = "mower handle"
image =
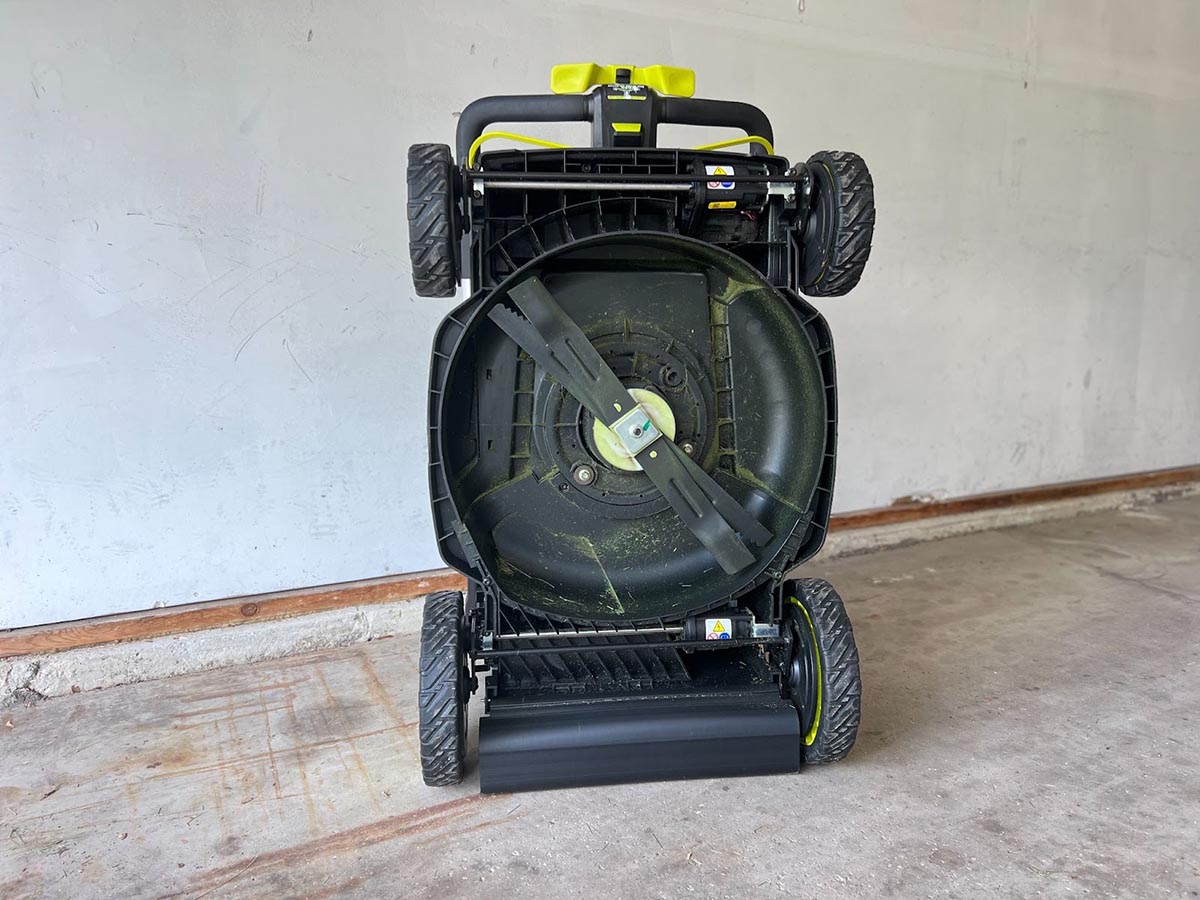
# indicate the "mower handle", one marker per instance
pixel 721 113
pixel 485 111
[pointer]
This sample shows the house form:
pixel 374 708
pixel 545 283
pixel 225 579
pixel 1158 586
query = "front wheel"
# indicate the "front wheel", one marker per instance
pixel 821 674
pixel 443 691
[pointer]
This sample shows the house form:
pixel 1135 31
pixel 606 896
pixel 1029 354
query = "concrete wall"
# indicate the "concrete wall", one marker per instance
pixel 212 369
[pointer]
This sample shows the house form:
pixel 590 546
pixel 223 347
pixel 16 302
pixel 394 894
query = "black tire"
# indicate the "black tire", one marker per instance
pixel 829 704
pixel 432 231
pixel 837 235
pixel 443 693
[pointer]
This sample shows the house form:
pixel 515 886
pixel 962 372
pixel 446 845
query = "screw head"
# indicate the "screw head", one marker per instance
pixel 585 475
pixel 688 447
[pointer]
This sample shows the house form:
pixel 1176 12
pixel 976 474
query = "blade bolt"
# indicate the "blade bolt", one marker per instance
pixel 585 475
pixel 688 447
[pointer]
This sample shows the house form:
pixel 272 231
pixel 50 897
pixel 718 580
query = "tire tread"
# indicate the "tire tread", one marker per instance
pixel 431 237
pixel 855 226
pixel 841 702
pixel 441 700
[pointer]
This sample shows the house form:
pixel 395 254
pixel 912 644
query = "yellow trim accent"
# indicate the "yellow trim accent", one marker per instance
pixel 752 139
pixel 812 732
pixel 627 127
pixel 579 78
pixel 723 204
pixel 508 135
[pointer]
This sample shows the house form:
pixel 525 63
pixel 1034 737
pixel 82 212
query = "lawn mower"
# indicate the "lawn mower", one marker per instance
pixel 631 439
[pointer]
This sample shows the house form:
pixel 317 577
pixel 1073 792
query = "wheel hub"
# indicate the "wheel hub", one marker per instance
pixel 610 447
pixel 802 673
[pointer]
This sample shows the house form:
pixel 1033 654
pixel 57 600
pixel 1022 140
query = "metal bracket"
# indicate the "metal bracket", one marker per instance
pixel 635 430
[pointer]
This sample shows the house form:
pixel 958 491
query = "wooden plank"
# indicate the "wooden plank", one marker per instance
pixel 283 604
pixel 219 613
pixel 911 511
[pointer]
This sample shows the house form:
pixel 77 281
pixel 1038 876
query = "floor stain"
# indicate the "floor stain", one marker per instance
pixel 241 693
pixel 407 825
pixel 380 693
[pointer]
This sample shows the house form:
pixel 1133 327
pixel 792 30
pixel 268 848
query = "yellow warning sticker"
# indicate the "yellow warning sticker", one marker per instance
pixel 718 629
pixel 723 204
pixel 722 178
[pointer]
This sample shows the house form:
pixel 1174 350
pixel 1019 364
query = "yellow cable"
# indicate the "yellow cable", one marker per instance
pixel 752 139
pixel 508 135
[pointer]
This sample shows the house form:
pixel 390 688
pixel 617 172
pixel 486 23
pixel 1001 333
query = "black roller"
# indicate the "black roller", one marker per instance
pixel 568 744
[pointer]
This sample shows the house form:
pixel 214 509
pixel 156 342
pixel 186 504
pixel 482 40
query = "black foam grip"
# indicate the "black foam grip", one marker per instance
pixel 720 113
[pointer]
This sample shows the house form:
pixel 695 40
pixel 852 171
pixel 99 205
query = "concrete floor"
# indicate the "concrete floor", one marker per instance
pixel 1030 728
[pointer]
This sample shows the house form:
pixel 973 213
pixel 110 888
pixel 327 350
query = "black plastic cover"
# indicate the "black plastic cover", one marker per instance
pixel 526 746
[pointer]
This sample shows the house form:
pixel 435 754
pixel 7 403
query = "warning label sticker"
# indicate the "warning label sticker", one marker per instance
pixel 718 629
pixel 721 184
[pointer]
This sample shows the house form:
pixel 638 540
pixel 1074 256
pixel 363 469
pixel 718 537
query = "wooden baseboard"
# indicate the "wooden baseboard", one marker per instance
pixel 911 511
pixel 218 613
pixel 284 604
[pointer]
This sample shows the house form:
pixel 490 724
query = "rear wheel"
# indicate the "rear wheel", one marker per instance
pixel 443 691
pixel 837 235
pixel 432 234
pixel 822 670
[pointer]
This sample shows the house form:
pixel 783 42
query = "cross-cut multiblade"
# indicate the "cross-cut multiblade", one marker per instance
pixel 556 343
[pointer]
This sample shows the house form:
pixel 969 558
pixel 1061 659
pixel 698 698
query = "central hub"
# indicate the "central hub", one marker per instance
pixel 642 425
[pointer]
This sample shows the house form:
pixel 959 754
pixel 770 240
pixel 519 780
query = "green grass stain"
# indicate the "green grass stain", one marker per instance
pixel 741 473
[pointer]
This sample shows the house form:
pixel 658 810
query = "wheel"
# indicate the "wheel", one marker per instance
pixel 432 231
pixel 443 692
pixel 837 235
pixel 821 673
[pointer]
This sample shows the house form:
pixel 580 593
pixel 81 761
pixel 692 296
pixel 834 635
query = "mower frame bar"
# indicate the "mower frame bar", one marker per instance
pixel 486 111
pixel 647 645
